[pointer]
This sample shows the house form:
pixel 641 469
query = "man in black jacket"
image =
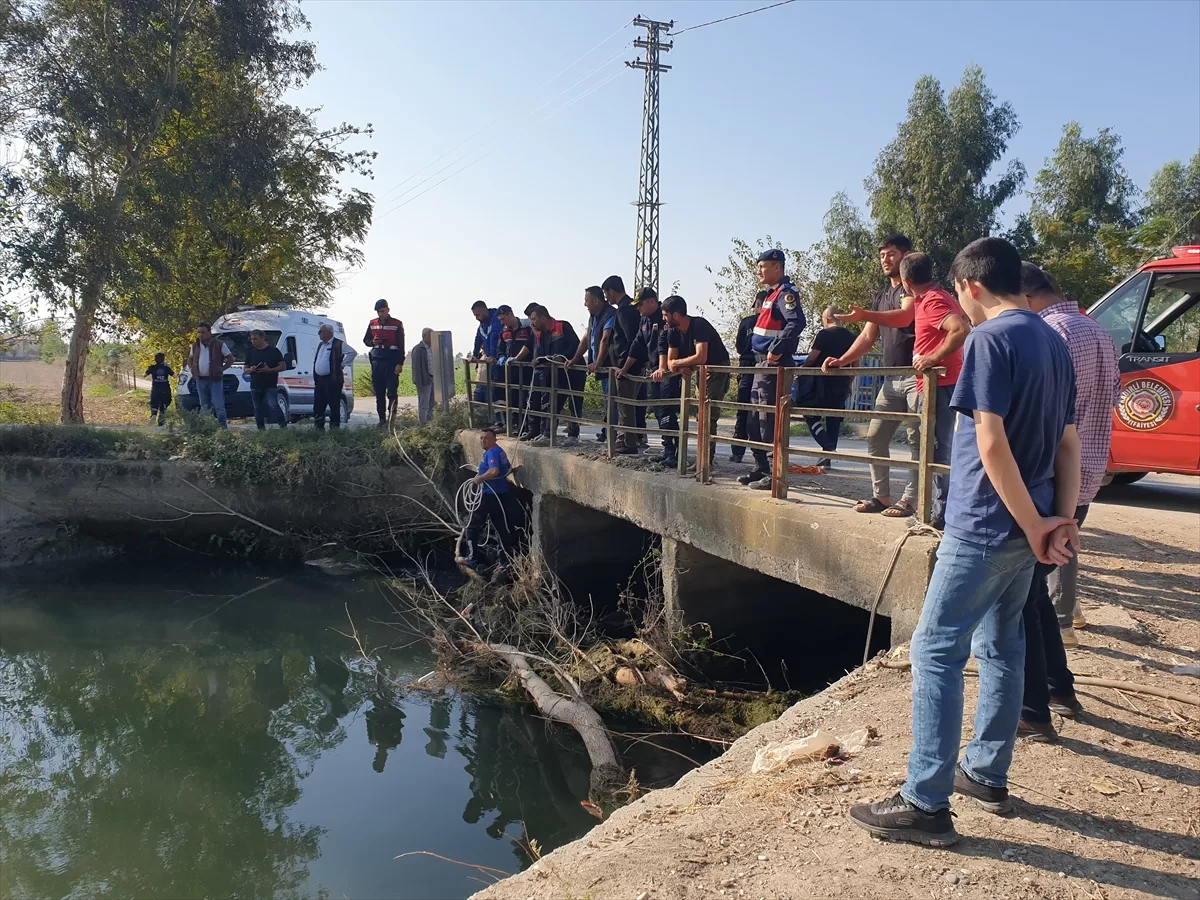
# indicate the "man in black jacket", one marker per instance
pixel 624 333
pixel 745 352
pixel 555 343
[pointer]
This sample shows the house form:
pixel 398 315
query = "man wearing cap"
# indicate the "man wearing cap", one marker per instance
pixel 776 334
pixel 487 351
pixel 385 337
pixel 516 346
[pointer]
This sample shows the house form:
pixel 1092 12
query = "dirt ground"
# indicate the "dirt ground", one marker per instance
pixel 30 392
pixel 1111 810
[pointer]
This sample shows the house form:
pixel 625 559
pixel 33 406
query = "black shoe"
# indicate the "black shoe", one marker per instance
pixel 994 800
pixel 601 437
pixel 751 477
pixel 898 820
pixel 1067 707
pixel 826 463
pixel 528 435
pixel 1039 732
pixel 736 457
pixel 626 450
pixel 670 462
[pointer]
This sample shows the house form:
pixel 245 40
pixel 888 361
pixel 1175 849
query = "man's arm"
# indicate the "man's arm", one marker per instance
pixel 602 352
pixel 861 347
pixel 783 348
pixel 486 476
pixel 699 358
pixel 890 318
pixel 349 354
pixel 226 358
pixel 581 347
pixel 956 329
pixel 1001 467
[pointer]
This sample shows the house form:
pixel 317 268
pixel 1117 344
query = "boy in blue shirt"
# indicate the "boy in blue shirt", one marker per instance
pixel 497 505
pixel 1013 489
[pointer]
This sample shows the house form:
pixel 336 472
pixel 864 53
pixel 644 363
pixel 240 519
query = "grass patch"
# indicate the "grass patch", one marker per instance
pixel 294 457
pixel 406 388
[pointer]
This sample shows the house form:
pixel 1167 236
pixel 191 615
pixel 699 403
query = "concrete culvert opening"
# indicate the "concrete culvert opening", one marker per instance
pixel 802 639
pixel 595 555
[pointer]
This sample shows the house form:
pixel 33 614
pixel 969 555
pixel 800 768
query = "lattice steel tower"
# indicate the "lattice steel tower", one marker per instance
pixel 645 265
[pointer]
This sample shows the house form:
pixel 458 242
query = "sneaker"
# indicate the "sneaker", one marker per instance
pixel 763 484
pixel 1038 732
pixel 542 440
pixel 653 452
pixel 1067 707
pixel 736 457
pixel 751 477
pixel 994 800
pixel 626 450
pixel 898 820
pixel 824 463
pixel 570 441
pixel 527 435
pixel 1077 619
pixel 1069 638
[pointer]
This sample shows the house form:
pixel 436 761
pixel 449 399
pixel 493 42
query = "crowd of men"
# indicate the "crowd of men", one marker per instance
pixel 1024 395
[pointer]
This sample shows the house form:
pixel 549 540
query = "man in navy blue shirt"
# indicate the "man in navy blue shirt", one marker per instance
pixel 496 505
pixel 1013 490
pixel 487 351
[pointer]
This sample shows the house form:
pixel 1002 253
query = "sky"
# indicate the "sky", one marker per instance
pixel 763 119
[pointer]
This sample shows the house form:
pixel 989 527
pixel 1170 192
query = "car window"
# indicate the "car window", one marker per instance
pixel 1173 313
pixel 1118 312
pixel 238 342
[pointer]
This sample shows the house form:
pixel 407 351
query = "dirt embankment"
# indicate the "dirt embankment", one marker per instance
pixel 1111 810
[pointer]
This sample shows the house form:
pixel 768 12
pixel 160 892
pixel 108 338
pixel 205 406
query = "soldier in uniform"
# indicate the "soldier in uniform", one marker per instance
pixel 385 337
pixel 776 334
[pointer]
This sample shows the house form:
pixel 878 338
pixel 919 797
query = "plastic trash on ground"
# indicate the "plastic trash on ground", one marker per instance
pixel 782 754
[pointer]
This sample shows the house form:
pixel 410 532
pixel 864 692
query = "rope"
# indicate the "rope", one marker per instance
pixel 918 528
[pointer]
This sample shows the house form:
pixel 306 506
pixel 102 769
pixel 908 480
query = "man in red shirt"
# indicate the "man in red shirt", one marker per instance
pixel 941 329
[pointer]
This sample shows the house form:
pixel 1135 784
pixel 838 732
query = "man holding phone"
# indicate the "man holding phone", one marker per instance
pixel 263 365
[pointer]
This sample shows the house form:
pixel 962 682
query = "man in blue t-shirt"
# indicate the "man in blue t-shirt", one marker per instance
pixel 497 505
pixel 1013 489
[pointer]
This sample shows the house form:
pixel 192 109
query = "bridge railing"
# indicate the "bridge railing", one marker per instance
pixel 498 392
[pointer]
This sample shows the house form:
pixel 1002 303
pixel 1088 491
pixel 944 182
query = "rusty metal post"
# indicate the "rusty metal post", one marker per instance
pixel 783 434
pixel 685 390
pixel 552 421
pixel 928 434
pixel 703 427
pixel 610 416
pixel 470 392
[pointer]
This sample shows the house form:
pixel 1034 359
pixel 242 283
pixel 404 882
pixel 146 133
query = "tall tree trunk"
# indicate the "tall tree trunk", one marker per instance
pixel 77 353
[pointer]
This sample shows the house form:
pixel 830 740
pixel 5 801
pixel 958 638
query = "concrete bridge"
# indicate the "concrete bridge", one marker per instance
pixel 730 557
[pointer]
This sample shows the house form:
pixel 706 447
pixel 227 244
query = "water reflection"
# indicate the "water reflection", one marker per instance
pixel 143 753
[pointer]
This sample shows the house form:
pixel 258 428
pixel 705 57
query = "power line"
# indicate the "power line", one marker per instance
pixel 748 12
pixel 504 144
pixel 476 134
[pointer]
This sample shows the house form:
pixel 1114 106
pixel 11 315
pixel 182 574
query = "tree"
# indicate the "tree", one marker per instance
pixel 52 346
pixel 1080 214
pixel 931 182
pixel 1172 210
pixel 101 83
pixel 846 262
pixel 737 282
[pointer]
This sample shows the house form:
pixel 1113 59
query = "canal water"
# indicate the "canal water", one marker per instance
pixel 157 740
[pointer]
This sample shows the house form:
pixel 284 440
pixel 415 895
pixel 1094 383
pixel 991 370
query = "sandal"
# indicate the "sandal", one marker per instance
pixel 870 506
pixel 901 509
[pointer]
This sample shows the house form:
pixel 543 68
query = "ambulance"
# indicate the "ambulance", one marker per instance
pixel 1154 320
pixel 294 332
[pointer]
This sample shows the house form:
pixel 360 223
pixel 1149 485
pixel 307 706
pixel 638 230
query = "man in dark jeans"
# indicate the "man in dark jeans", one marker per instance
pixel 263 364
pixel 624 332
pixel 825 392
pixel 745 381
pixel 329 377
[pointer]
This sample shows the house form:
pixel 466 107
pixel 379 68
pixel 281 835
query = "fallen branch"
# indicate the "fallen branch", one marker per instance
pixel 252 590
pixel 608 773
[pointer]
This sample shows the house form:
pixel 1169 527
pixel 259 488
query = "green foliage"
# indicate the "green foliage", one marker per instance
pixel 1171 216
pixel 737 283
pixel 52 344
pixel 931 182
pixel 846 262
pixel 165 176
pixel 1080 214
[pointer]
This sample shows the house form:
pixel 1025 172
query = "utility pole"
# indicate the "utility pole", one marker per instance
pixel 645 265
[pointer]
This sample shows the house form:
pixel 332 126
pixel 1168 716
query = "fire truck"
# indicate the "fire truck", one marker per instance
pixel 1154 320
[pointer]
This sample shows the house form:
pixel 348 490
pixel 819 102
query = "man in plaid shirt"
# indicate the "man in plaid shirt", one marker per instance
pixel 1052 610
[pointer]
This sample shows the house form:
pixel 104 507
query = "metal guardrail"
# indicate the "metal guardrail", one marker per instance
pixel 785 414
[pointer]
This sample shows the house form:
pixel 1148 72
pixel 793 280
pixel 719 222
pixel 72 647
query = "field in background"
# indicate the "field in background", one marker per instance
pixel 30 394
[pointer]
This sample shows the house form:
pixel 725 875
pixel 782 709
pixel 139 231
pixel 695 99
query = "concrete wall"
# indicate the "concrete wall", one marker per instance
pixel 822 547
pixel 120 499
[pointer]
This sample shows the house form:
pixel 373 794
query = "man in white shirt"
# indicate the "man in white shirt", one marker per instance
pixel 329 364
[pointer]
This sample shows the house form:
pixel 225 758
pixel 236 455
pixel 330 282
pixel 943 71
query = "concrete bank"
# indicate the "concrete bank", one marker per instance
pixel 719 543
pixel 122 501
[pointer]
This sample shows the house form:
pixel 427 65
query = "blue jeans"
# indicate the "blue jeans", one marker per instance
pixel 212 396
pixel 975 591
pixel 266 407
